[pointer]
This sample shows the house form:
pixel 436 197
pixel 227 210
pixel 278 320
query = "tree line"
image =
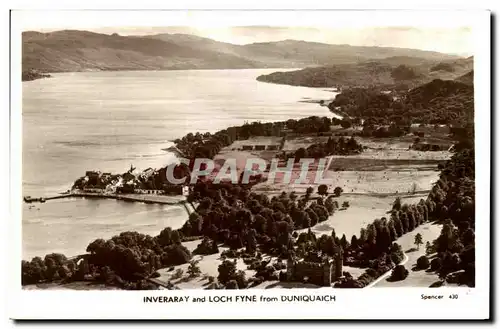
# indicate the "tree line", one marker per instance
pixel 333 146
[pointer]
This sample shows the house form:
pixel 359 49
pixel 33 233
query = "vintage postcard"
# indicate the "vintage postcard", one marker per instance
pixel 250 164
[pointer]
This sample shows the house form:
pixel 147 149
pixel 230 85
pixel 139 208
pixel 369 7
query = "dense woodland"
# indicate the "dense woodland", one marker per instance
pixel 455 191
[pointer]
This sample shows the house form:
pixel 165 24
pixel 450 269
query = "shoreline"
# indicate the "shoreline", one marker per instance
pixel 182 69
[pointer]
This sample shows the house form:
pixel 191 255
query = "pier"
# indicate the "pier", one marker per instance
pixel 145 198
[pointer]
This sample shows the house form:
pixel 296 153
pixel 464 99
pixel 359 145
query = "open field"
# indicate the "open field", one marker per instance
pixel 363 210
pixel 361 182
pixel 402 143
pixel 374 164
pixel 401 154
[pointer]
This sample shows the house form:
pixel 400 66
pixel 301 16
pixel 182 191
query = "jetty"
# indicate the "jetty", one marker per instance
pixel 145 198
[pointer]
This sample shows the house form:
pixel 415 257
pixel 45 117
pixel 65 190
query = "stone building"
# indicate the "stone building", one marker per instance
pixel 320 273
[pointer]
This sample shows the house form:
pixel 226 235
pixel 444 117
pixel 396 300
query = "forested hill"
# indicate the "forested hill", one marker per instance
pixel 71 50
pixel 398 72
pixel 436 102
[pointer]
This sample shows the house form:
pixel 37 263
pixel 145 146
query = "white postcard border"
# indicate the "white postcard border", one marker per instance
pixel 374 303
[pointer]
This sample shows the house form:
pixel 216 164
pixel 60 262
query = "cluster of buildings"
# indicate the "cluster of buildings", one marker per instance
pixel 264 144
pixel 148 181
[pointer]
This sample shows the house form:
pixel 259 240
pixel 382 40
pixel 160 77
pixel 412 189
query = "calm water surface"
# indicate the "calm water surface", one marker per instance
pixel 107 121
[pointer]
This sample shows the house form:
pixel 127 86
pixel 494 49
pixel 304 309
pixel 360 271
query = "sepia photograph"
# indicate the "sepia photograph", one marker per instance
pixel 216 152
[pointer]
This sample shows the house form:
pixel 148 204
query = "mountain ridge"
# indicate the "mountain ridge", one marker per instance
pixel 80 50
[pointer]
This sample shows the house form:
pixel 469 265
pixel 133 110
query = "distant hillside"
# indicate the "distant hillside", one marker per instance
pixel 293 53
pixel 395 72
pixel 71 50
pixel 87 51
pixel 452 69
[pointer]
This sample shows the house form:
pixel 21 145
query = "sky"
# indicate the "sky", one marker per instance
pixel 448 33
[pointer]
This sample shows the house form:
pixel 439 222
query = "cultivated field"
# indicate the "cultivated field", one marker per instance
pixel 395 183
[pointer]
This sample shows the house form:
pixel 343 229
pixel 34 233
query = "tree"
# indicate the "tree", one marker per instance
pixel 301 153
pixel 345 124
pixel 338 191
pixel 397 204
pixel 241 279
pixel 193 269
pixel 323 190
pixel 354 242
pixel 436 264
pixel 343 242
pixel 165 237
pixel 423 263
pixel 106 274
pixel 399 273
pixel 175 236
pixel 330 205
pixel 227 271
pixel 418 240
pixel 177 254
pixel 232 284
pixel 448 239
pixel 345 204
